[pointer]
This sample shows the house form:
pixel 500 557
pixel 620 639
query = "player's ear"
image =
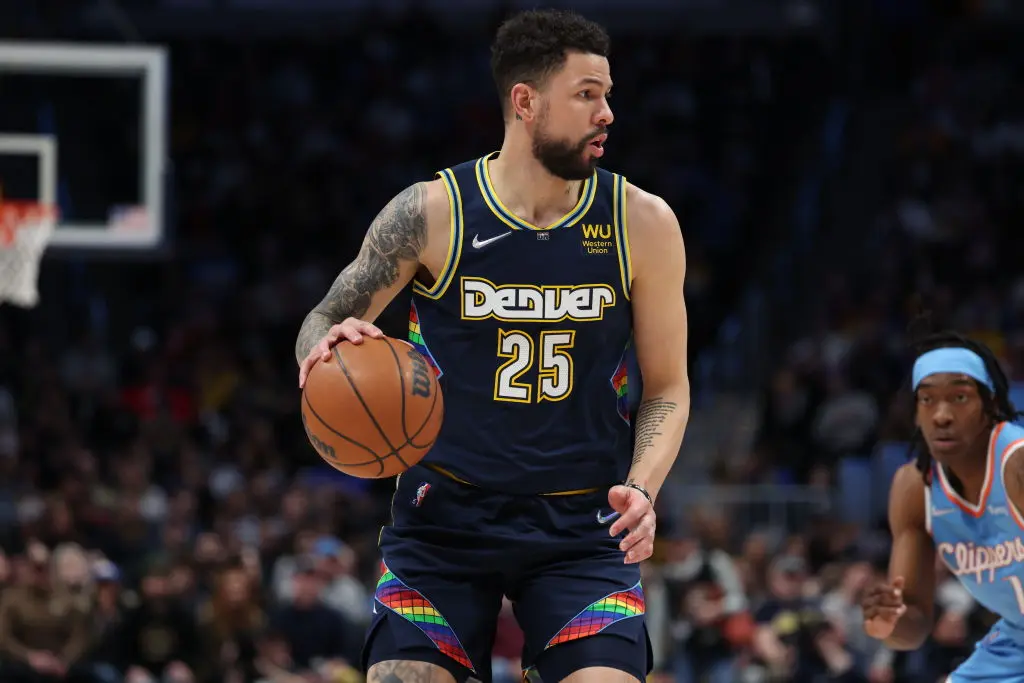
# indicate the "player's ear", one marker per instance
pixel 524 102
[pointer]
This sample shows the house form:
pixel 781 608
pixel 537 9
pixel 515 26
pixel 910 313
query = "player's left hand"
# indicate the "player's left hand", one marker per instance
pixel 637 515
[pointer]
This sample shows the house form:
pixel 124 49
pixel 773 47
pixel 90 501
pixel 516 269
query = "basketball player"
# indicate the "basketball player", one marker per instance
pixel 962 498
pixel 533 271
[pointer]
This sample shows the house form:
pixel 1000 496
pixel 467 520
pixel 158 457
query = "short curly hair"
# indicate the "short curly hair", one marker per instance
pixel 532 45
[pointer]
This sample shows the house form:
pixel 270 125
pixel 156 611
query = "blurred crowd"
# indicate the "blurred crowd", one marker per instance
pixel 780 603
pixel 162 517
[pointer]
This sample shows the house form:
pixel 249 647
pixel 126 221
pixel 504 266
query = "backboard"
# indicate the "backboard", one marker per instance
pixel 84 127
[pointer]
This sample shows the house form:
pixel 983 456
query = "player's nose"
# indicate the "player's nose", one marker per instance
pixel 604 115
pixel 943 416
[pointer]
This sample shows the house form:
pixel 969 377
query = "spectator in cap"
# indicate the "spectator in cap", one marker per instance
pixel 342 589
pixel 315 632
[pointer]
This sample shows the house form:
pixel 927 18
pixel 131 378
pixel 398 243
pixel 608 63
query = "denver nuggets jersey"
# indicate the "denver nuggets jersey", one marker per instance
pixel 527 328
pixel 982 544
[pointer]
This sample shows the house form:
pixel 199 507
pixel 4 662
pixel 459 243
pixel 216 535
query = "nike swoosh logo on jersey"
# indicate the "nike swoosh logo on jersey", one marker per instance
pixel 604 519
pixel 480 244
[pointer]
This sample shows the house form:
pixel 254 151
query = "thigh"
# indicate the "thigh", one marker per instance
pixel 996 658
pixel 583 610
pixel 438 596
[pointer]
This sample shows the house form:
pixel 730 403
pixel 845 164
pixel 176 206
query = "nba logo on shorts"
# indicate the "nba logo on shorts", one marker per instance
pixel 421 493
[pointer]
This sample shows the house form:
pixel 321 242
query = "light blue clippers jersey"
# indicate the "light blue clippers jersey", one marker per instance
pixel 983 544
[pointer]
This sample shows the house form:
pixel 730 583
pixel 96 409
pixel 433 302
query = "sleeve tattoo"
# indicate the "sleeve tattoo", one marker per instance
pixel 650 417
pixel 398 233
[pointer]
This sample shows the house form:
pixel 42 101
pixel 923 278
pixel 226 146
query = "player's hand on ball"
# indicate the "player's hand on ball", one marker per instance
pixel 883 606
pixel 350 329
pixel 636 514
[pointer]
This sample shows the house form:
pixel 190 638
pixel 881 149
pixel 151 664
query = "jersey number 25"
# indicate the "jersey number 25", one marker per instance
pixel 549 353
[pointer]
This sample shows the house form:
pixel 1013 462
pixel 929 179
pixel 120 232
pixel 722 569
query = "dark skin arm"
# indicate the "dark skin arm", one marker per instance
pixel 901 611
pixel 1013 476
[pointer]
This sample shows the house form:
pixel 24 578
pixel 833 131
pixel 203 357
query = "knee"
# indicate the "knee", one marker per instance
pixel 403 671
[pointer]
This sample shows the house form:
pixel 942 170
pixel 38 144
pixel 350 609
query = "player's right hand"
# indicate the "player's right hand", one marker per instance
pixel 883 606
pixel 350 329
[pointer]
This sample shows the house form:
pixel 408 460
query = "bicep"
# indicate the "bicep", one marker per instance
pixel 1013 478
pixel 659 307
pixel 387 260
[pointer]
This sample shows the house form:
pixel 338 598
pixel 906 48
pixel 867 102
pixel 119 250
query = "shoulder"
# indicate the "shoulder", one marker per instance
pixel 1011 436
pixel 434 199
pixel 907 499
pixel 655 237
pixel 1012 468
pixel 419 213
pixel 649 215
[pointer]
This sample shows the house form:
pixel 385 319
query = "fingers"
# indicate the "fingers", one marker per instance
pixel 884 613
pixel 350 330
pixel 644 529
pixel 885 596
pixel 369 329
pixel 639 543
pixel 631 504
pixel 353 330
pixel 885 602
pixel 630 519
pixel 640 553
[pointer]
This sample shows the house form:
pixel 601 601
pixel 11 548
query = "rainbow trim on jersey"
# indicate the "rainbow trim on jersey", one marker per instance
pixel 620 385
pixel 412 606
pixel 601 615
pixel 416 339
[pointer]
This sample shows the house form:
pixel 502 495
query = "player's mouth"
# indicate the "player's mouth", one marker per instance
pixel 944 442
pixel 597 144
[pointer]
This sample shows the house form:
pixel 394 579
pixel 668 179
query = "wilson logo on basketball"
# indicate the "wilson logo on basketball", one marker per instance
pixel 326 451
pixel 421 374
pixel 529 303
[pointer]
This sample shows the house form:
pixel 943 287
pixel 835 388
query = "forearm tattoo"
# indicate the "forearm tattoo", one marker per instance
pixel 650 418
pixel 398 233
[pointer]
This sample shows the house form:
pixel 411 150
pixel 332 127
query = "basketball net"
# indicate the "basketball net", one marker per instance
pixel 25 228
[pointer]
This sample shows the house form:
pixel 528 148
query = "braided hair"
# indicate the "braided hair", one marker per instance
pixel 997 404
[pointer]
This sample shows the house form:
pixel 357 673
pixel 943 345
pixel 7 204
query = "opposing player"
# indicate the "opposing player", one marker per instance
pixel 962 498
pixel 533 271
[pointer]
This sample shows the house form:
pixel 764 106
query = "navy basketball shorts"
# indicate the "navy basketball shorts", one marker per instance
pixel 454 550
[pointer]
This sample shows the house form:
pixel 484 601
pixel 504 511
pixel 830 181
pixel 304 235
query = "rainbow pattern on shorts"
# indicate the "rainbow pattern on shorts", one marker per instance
pixel 601 615
pixel 620 385
pixel 416 339
pixel 411 605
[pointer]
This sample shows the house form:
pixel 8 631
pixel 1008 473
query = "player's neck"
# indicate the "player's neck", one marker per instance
pixel 968 474
pixel 526 187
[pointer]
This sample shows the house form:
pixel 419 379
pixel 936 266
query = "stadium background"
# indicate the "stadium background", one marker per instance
pixel 835 167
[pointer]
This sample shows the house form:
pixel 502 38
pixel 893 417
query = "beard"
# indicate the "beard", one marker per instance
pixel 565 159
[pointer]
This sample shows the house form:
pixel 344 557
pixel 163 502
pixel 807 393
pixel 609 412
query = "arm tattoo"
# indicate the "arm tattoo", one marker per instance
pixel 650 417
pixel 398 233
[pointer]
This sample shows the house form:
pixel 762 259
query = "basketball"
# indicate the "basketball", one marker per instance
pixel 374 409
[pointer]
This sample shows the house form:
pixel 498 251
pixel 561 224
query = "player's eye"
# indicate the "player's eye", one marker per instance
pixel 961 398
pixel 585 94
pixel 924 400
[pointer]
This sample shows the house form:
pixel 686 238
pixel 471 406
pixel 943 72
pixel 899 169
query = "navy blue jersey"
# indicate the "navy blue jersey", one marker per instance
pixel 527 328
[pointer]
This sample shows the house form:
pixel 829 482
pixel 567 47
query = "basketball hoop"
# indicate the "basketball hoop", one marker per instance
pixel 25 228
